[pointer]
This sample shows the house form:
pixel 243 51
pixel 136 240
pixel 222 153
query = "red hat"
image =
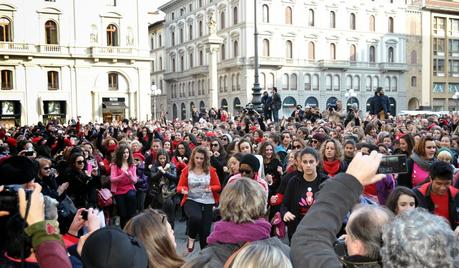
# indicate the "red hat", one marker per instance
pixel 211 134
pixel 11 142
pixel 138 156
pixel 253 128
pixel 36 139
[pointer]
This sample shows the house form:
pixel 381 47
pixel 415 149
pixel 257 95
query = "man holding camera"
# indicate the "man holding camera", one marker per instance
pixel 335 112
pixel 379 104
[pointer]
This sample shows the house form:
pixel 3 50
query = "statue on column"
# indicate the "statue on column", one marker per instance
pixel 212 25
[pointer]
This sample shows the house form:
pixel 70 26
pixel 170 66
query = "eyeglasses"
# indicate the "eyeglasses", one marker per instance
pixel 297 147
pixel 79 162
pixel 46 168
pixel 314 141
pixel 214 144
pixel 245 171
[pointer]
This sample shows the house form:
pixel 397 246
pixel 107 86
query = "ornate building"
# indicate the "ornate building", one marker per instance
pixel 64 59
pixel 314 52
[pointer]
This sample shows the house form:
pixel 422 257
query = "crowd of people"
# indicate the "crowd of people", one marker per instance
pixel 255 190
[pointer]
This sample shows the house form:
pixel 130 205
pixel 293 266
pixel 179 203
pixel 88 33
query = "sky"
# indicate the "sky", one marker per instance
pixel 158 3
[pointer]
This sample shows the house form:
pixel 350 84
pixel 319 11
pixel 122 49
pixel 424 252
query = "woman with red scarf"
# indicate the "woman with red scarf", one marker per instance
pixel 331 152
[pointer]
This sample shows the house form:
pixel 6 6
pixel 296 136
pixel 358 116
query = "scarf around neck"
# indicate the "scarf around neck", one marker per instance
pixel 331 167
pixel 423 163
pixel 226 232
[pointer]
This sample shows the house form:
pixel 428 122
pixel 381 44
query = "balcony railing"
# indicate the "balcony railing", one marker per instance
pixel 334 64
pixel 234 62
pixel 393 67
pixel 16 48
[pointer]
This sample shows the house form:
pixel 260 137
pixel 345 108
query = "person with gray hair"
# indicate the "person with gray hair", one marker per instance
pixel 417 238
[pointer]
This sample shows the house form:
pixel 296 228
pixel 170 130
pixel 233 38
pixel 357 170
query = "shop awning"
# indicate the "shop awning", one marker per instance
pixel 114 106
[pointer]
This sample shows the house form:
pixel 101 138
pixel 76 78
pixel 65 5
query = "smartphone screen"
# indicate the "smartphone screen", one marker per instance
pixel 393 164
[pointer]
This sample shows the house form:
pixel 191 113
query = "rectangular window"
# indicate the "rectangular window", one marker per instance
pixel 454 27
pixel 7 79
pixel 53 80
pixel 438 87
pixel 453 68
pixel 453 47
pixel 112 81
pixel 438 67
pixel 439 25
pixel 413 81
pixel 201 58
pixel 439 46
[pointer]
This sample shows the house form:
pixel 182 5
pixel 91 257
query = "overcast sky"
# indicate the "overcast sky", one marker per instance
pixel 158 3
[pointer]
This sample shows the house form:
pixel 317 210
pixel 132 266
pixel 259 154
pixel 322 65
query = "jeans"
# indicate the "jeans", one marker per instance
pixel 141 195
pixel 199 220
pixel 276 115
pixel 126 205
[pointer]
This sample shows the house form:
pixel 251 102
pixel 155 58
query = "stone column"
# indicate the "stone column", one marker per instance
pixel 213 44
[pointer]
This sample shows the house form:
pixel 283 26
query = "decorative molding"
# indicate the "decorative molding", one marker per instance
pixel 50 10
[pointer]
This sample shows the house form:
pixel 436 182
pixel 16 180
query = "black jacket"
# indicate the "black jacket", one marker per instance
pixel 312 244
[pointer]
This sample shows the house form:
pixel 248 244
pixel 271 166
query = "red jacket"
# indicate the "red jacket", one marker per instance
pixel 214 184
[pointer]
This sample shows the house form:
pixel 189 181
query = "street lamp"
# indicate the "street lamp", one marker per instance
pixel 155 91
pixel 256 90
pixel 456 97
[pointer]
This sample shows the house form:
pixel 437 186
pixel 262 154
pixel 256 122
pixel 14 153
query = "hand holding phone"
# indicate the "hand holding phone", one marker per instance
pixel 393 164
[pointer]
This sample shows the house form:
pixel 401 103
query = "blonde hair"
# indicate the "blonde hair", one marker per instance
pixel 338 149
pixel 261 255
pixel 243 201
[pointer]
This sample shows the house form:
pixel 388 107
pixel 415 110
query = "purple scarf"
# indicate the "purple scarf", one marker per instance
pixel 226 232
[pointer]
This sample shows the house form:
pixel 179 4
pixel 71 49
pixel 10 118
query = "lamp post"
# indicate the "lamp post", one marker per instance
pixel 256 90
pixel 155 91
pixel 456 97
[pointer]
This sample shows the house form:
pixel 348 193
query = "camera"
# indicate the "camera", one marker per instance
pixel 393 164
pixel 9 200
pixel 331 107
pixel 84 215
pixel 29 153
pixel 340 247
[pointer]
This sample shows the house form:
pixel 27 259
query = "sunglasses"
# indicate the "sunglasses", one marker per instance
pixel 224 139
pixel 79 162
pixel 314 141
pixel 245 171
pixel 46 168
pixel 297 147
pixel 214 144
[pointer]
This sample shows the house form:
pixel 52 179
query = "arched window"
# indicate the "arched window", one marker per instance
pixel 233 82
pixel 265 47
pixel 191 61
pixel 372 23
pixel 288 15
pixel 311 51
pixel 375 82
pixel 172 37
pixel 332 51
pixel 348 82
pixel 353 52
pixel 328 82
pixel 222 20
pixel 390 22
pixel 199 87
pixel 336 82
pixel 288 47
pixel 387 86
pixel 51 33
pixel 394 83
pixel 234 15
pixel 263 81
pixel 293 82
pixel 285 82
pixel 235 48
pixel 53 80
pixel 224 104
pixel 368 83
pixel 5 30
pixel 200 28
pixel 315 82
pixel 356 83
pixel 190 32
pixel 225 83
pixel 221 84
pixel 352 21
pixel 390 54
pixel 238 79
pixel 223 51
pixel 6 79
pixel 270 81
pixel 414 57
pixel 311 18
pixel 174 111
pixel 183 111
pixel 307 82
pixel 265 13
pixel 237 104
pixel 332 19
pixel 372 56
pixel 112 36
pixel 113 81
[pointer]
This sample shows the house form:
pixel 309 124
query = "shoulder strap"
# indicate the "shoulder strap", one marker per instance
pixel 230 259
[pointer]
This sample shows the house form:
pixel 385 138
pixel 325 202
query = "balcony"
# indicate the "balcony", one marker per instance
pixel 273 62
pixel 387 67
pixel 113 52
pixel 199 70
pixel 232 63
pixel 334 64
pixel 10 48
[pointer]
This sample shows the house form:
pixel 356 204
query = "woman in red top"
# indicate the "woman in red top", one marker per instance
pixel 331 152
pixel 123 176
pixel 200 186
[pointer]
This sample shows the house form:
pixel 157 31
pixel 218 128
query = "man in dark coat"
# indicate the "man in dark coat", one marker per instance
pixel 379 104
pixel 267 100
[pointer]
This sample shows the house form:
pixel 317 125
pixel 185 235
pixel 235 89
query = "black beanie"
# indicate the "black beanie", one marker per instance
pixel 18 170
pixel 251 160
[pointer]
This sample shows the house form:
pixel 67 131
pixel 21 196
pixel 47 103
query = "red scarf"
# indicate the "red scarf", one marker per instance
pixel 332 167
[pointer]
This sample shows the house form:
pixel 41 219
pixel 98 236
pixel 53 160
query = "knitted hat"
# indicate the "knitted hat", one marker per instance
pixel 320 137
pixel 250 160
pixel 138 156
pixel 228 136
pixel 111 247
pixel 17 170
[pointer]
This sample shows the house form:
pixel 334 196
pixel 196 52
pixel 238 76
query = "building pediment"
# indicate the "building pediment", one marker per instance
pixel 332 37
pixel 50 10
pixel 115 15
pixel 266 33
pixel 311 36
pixel 289 34
pixel 6 7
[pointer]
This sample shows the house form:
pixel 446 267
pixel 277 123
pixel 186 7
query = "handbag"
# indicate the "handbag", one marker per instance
pixel 104 198
pixel 66 208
